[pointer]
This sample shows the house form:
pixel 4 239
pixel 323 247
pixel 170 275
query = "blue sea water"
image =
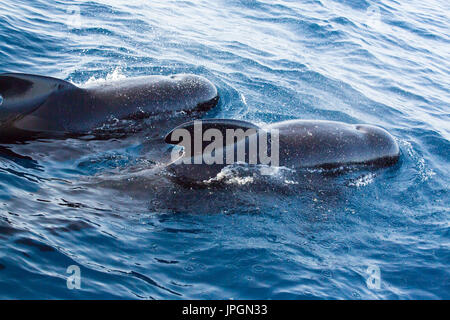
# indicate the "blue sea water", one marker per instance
pixel 102 205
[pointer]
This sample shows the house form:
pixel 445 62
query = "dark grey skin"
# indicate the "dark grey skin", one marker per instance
pixel 50 107
pixel 302 144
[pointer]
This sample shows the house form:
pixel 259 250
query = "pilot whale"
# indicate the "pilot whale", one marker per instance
pixel 294 144
pixel 47 107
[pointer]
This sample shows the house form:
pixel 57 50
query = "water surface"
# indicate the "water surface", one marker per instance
pixel 104 205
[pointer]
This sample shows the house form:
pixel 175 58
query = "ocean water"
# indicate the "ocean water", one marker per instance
pixel 106 206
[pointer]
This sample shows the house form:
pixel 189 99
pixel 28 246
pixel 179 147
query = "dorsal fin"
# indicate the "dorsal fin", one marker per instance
pixel 221 124
pixel 21 94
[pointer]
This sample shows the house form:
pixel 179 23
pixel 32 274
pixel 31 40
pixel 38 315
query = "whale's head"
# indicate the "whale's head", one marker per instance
pixel 187 92
pixel 316 143
pixel 383 146
pixel 160 94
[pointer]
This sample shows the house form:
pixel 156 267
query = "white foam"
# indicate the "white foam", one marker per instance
pixel 424 172
pixel 229 176
pixel 363 181
pixel 243 174
pixel 112 76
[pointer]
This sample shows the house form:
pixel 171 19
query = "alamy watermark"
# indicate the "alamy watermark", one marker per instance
pixel 374 279
pixel 373 19
pixel 74 17
pixel 253 146
pixel 74 278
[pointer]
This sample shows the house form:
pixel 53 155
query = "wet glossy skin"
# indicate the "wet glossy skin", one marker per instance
pixel 311 144
pixel 55 106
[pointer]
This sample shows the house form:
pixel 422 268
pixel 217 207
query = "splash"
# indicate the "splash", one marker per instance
pixel 425 173
pixel 244 174
pixel 229 175
pixel 112 76
pixel 363 180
